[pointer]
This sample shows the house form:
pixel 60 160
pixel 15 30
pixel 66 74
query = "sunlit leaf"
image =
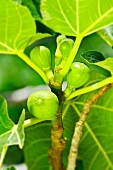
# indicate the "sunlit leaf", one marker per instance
pixel 18 1
pixel 10 134
pixel 5 123
pixel 77 16
pixel 107 64
pixel 16 26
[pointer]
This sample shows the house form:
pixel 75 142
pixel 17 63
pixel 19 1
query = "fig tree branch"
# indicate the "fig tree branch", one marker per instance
pixel 58 142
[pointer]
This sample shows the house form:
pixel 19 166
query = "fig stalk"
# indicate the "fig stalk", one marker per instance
pixel 50 75
pixel 68 91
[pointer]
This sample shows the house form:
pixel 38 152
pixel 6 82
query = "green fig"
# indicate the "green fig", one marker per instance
pixel 41 56
pixel 43 104
pixel 78 75
pixel 58 55
pixel 60 38
pixel 65 47
pixel 63 51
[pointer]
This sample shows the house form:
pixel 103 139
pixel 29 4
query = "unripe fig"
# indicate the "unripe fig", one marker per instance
pixel 43 104
pixel 63 51
pixel 78 75
pixel 58 55
pixel 60 38
pixel 65 47
pixel 41 56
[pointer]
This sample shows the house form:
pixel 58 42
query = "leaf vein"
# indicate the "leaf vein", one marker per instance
pixel 95 106
pixel 20 27
pixel 97 21
pixel 99 12
pixel 93 160
pixel 67 21
pixel 95 139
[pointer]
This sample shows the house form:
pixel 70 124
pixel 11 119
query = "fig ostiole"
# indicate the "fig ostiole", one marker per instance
pixel 43 104
pixel 78 76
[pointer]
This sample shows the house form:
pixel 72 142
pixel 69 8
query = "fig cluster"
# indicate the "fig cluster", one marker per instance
pixel 44 104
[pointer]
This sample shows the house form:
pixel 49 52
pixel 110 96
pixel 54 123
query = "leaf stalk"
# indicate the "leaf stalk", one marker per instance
pixel 90 88
pixel 27 60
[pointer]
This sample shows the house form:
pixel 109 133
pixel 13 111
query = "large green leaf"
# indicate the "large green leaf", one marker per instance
pixel 96 146
pixel 16 26
pixel 77 16
pixel 36 146
pixel 10 134
pixel 5 123
pixel 18 1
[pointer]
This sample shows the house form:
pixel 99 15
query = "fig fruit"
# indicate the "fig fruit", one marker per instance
pixel 65 47
pixel 41 56
pixel 78 75
pixel 43 104
pixel 58 55
pixel 60 38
